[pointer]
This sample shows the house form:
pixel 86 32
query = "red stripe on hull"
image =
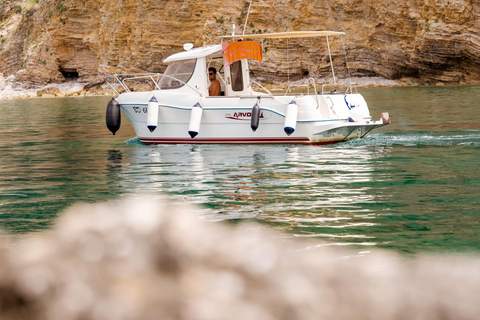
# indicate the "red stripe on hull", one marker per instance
pixel 286 140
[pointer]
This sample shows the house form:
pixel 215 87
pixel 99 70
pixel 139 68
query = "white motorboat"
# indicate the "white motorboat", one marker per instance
pixel 175 107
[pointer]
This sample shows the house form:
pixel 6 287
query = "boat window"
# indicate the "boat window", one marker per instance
pixel 237 75
pixel 177 74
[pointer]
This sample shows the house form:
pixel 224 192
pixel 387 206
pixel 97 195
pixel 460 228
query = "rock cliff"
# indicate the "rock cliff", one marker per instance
pixel 53 41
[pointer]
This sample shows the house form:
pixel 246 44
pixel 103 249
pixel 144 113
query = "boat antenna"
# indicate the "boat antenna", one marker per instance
pixel 288 64
pixel 331 63
pixel 246 20
pixel 346 60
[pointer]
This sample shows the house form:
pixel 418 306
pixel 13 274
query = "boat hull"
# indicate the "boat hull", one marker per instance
pixel 227 120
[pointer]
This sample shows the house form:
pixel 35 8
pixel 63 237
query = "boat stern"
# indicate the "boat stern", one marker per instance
pixel 346 130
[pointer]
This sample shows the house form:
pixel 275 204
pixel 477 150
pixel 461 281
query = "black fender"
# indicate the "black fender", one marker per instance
pixel 112 116
pixel 255 119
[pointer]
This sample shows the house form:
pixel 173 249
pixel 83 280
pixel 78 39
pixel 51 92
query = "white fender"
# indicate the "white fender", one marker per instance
pixel 291 118
pixel 195 120
pixel 152 114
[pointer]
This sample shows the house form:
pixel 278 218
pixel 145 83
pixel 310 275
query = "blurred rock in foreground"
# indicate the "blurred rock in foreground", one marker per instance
pixel 151 260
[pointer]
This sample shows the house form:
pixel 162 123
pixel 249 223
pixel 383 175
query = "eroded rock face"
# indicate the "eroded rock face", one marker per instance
pixel 57 40
pixel 148 259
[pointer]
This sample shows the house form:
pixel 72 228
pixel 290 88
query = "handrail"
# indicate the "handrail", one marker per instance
pixel 121 80
pixel 111 86
pixel 258 84
pixel 141 77
pixel 308 89
pixel 117 78
pixel 315 88
pixel 303 85
pixel 349 86
pixel 292 85
pixel 297 85
pixel 311 82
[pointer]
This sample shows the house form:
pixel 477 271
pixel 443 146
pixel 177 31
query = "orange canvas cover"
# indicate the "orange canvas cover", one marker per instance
pixel 235 51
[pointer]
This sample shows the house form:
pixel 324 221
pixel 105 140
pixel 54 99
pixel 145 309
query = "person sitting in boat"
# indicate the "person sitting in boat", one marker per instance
pixel 215 88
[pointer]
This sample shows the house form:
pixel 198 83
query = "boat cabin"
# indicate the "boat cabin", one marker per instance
pixel 188 70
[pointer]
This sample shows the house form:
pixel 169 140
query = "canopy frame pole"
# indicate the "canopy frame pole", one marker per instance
pixel 246 20
pixel 331 62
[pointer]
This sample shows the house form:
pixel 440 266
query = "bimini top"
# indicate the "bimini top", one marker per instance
pixel 194 53
pixel 291 34
pixel 209 50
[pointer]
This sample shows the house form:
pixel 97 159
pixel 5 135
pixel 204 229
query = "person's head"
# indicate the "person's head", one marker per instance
pixel 212 73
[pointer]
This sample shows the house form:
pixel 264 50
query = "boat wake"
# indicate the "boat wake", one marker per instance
pixel 450 138
pixel 134 141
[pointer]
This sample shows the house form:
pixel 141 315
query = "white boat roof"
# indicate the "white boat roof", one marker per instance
pixel 290 34
pixel 194 53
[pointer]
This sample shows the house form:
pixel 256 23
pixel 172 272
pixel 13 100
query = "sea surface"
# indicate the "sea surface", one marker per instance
pixel 411 187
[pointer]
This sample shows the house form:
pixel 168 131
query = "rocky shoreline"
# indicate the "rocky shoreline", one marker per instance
pixel 402 43
pixel 9 89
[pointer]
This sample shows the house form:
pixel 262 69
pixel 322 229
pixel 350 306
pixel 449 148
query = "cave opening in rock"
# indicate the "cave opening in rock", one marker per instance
pixel 69 74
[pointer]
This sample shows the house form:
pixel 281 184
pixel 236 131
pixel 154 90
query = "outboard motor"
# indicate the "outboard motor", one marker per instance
pixel 112 116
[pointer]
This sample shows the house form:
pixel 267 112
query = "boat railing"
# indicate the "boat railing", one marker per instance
pixel 154 78
pixel 291 86
pixel 138 77
pixel 119 79
pixel 339 88
pixel 262 87
pixel 334 88
pixel 310 83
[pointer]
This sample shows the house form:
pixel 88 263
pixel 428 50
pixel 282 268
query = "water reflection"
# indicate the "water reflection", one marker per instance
pixel 114 160
pixel 305 190
pixel 412 186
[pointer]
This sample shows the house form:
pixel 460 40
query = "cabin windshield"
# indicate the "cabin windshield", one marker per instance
pixel 177 74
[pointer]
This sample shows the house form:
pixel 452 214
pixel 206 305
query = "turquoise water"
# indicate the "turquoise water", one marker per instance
pixel 410 187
